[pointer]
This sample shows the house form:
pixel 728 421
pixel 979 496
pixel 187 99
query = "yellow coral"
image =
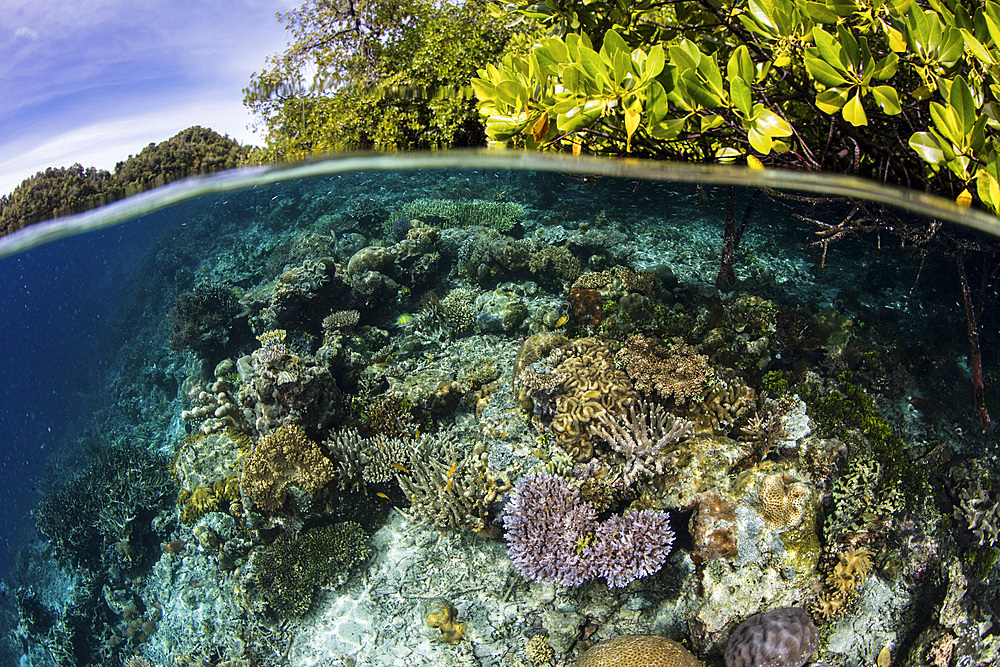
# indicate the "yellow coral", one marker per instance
pixel 276 335
pixel 784 502
pixel 446 620
pixel 286 456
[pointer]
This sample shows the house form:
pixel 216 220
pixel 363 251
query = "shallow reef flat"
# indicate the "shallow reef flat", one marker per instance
pixel 501 418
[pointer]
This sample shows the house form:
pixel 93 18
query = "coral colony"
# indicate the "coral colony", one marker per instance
pixel 554 536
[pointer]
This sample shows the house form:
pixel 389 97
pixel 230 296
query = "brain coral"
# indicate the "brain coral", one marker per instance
pixel 784 637
pixel 638 651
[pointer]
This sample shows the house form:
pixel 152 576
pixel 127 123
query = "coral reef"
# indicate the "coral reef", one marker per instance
pixel 676 372
pixel 977 511
pixel 642 439
pixel 287 573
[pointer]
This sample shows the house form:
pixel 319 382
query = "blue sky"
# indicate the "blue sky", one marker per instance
pixel 93 81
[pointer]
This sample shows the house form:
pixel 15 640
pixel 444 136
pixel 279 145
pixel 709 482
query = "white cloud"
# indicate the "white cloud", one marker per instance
pixel 25 31
pixel 103 144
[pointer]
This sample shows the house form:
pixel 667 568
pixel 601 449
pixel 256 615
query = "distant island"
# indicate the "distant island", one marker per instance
pixel 61 191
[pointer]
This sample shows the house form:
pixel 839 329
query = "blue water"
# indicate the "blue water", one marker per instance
pixel 85 327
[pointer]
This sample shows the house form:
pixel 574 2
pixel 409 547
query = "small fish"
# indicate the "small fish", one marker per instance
pixel 884 657
pixel 451 470
pixel 400 467
pixel 382 495
pixel 561 321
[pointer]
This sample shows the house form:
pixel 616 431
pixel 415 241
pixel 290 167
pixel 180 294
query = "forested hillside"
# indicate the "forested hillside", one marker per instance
pixel 63 190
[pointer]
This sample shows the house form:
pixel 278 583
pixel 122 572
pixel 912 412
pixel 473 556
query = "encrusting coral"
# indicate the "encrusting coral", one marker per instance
pixel 286 456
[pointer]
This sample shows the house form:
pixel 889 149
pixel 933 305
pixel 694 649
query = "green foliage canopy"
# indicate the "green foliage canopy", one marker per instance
pixel 904 91
pixel 375 74
pixel 62 191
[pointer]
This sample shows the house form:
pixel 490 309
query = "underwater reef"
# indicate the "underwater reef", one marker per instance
pixel 491 418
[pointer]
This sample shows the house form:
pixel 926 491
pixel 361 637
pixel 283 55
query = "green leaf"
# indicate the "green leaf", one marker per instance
pixel 759 141
pixel 656 103
pixel 613 44
pixel 850 53
pixel 710 122
pixel 512 93
pixel 927 147
pixel 739 92
pixel 580 116
pixel 854 111
pixel 824 72
pixel 886 68
pixel 887 98
pixel 960 99
pixel 770 122
pixel 976 47
pixel 654 62
pixel 741 65
pixel 699 92
pixel 832 100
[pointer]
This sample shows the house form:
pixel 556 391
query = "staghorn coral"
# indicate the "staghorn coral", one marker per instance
pixel 281 458
pixel 675 372
pixel 638 651
pixel 784 637
pixel 642 438
pixel 552 535
pixel 978 513
pixel 363 461
pixel 450 485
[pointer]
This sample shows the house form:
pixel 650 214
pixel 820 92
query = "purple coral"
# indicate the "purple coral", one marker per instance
pixel 784 637
pixel 554 536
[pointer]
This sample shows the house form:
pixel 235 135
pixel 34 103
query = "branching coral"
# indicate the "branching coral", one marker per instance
pixel 288 572
pixel 450 485
pixel 642 438
pixel 281 458
pixel 978 512
pixel 553 535
pixel 363 461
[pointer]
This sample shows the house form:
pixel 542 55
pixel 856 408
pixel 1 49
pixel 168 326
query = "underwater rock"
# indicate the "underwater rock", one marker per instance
pixel 500 312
